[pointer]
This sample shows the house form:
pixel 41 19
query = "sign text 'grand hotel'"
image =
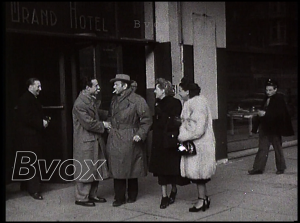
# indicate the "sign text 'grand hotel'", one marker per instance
pixel 50 17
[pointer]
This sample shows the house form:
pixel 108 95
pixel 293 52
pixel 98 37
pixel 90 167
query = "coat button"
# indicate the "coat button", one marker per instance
pixel 172 136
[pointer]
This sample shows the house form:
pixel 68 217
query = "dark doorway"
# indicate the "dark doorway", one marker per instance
pixel 134 64
pixel 44 58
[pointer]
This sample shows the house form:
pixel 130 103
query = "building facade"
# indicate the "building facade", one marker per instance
pixel 262 43
pixel 58 42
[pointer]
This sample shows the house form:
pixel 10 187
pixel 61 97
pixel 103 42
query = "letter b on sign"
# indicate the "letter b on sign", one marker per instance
pixel 23 167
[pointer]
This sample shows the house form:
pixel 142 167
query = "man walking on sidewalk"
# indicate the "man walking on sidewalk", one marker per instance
pixel 274 122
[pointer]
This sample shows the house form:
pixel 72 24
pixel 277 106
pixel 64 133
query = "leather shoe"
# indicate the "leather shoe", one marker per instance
pixel 85 203
pixel 131 200
pixel 37 196
pixel 279 171
pixel 97 199
pixel 172 197
pixel 252 172
pixel 117 203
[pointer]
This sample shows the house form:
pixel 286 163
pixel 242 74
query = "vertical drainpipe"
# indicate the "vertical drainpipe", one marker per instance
pixel 180 37
pixel 154 24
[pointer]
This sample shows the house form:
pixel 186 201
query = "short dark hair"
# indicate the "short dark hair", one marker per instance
pixel 86 81
pixel 193 88
pixel 31 81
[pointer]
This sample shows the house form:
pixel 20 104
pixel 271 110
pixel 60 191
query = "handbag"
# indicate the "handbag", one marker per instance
pixel 187 148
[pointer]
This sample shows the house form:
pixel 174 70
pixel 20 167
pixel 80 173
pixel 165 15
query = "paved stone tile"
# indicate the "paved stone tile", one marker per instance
pixel 235 196
pixel 240 214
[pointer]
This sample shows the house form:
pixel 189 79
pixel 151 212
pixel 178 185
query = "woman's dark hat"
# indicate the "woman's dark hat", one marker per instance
pixel 121 77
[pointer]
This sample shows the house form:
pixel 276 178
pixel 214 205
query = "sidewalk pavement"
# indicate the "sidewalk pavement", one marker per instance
pixel 235 196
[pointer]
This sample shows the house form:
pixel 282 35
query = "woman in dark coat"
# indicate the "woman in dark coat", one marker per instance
pixel 165 160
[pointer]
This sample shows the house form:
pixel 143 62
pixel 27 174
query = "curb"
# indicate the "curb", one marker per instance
pixel 253 151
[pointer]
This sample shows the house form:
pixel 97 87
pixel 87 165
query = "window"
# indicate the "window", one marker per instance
pixel 277 9
pixel 278 33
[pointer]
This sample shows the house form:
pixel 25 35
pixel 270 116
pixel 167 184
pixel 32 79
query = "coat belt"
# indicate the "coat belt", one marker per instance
pixel 124 126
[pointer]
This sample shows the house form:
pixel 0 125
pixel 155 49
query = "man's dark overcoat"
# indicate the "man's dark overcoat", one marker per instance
pixel 30 123
pixel 29 135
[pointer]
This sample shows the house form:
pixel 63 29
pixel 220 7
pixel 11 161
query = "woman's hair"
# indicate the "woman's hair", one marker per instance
pixel 163 84
pixel 192 87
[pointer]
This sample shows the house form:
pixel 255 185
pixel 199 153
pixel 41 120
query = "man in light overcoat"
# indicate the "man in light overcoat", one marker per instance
pixel 131 120
pixel 88 145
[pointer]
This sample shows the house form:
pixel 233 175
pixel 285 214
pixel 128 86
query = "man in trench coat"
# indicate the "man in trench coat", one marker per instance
pixel 131 120
pixel 88 145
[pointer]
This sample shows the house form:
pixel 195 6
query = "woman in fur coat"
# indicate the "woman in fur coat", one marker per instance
pixel 197 126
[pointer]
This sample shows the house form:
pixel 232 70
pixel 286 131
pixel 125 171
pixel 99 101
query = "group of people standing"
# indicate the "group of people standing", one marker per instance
pixel 123 154
pixel 190 122
pixel 128 123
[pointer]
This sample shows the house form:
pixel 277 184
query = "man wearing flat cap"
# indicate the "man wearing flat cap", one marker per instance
pixel 273 122
pixel 131 120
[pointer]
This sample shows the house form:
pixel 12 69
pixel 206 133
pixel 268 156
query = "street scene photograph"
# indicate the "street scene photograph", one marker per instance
pixel 151 111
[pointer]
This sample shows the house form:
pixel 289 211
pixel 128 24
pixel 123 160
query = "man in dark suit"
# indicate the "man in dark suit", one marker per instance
pixel 31 123
pixel 273 122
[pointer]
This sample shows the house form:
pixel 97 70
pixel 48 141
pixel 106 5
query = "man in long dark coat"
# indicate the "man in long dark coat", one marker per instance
pixel 88 145
pixel 31 123
pixel 274 122
pixel 131 120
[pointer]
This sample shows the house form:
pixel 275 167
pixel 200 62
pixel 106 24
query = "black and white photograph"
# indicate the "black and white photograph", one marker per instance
pixel 150 111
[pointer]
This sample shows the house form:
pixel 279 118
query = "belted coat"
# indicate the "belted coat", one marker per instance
pixel 88 143
pixel 129 115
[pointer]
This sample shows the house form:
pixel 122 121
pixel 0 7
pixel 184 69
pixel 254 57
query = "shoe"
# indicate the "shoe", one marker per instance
pixel 172 197
pixel 252 172
pixel 117 203
pixel 97 199
pixel 279 171
pixel 203 207
pixel 207 201
pixel 85 203
pixel 164 202
pixel 131 200
pixel 37 196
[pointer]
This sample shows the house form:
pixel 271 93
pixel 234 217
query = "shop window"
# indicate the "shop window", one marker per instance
pixel 277 9
pixel 128 18
pixel 278 33
pixel 135 20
